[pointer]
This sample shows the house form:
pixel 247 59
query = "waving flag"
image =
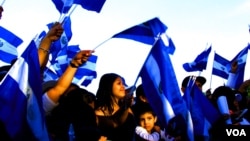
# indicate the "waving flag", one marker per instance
pixel 8 45
pixel 161 87
pixel 63 6
pixel 92 5
pixel 21 107
pixel 87 70
pixel 221 66
pixel 241 59
pixel 200 62
pixel 146 32
pixel 63 41
pixel 203 113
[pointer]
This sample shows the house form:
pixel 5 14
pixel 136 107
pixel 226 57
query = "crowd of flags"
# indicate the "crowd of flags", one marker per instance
pixel 20 97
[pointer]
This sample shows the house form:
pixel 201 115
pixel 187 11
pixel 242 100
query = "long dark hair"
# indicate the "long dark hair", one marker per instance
pixel 104 93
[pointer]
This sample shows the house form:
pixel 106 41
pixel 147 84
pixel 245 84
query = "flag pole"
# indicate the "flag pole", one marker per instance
pixel 71 10
pixel 211 75
pixel 3 2
pixel 100 44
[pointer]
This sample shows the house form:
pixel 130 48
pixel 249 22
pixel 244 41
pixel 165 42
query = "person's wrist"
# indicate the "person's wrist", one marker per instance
pixel 73 65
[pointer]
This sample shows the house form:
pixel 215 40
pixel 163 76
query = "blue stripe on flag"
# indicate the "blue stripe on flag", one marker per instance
pixel 92 5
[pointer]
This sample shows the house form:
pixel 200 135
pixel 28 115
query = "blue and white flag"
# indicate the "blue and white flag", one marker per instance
pixel 21 106
pixel 146 32
pixel 241 59
pixel 204 114
pixel 221 66
pixel 87 70
pixel 91 5
pixel 8 45
pixel 200 62
pixel 61 43
pixel 161 87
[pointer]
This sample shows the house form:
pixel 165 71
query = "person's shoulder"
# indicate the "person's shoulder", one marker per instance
pixel 99 112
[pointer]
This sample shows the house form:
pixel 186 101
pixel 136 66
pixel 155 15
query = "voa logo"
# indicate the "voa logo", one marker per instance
pixel 236 132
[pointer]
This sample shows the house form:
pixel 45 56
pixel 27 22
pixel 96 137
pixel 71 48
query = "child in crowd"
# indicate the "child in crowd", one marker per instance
pixel 147 130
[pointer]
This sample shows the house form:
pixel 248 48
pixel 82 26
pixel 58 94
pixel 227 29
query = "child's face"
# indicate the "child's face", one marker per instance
pixel 147 121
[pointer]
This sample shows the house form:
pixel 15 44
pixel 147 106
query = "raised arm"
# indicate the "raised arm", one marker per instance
pixel 43 51
pixel 66 79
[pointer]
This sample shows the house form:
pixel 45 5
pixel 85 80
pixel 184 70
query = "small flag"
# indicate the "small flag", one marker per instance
pixel 200 62
pixel 8 45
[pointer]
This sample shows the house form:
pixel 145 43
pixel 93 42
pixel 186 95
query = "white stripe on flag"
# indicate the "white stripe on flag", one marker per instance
pixel 7 47
pixel 89 65
pixel 220 66
pixel 17 71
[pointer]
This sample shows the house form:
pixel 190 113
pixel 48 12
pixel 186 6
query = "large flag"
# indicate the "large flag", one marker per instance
pixel 200 62
pixel 203 113
pixel 21 106
pixel 146 32
pixel 8 45
pixel 221 66
pixel 161 87
pixel 87 70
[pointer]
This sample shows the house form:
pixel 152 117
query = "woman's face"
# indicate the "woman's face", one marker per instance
pixel 118 88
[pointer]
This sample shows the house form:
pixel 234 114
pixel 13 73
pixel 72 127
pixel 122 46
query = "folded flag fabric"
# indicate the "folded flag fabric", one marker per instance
pixel 8 45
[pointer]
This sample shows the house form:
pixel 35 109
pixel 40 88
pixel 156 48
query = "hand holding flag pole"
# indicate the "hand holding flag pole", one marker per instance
pixel 68 14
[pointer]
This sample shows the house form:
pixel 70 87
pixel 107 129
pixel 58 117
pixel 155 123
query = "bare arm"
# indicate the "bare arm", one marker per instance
pixel 66 79
pixel 43 51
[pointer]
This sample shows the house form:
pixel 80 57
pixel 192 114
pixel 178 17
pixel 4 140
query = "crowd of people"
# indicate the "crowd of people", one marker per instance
pixel 114 114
